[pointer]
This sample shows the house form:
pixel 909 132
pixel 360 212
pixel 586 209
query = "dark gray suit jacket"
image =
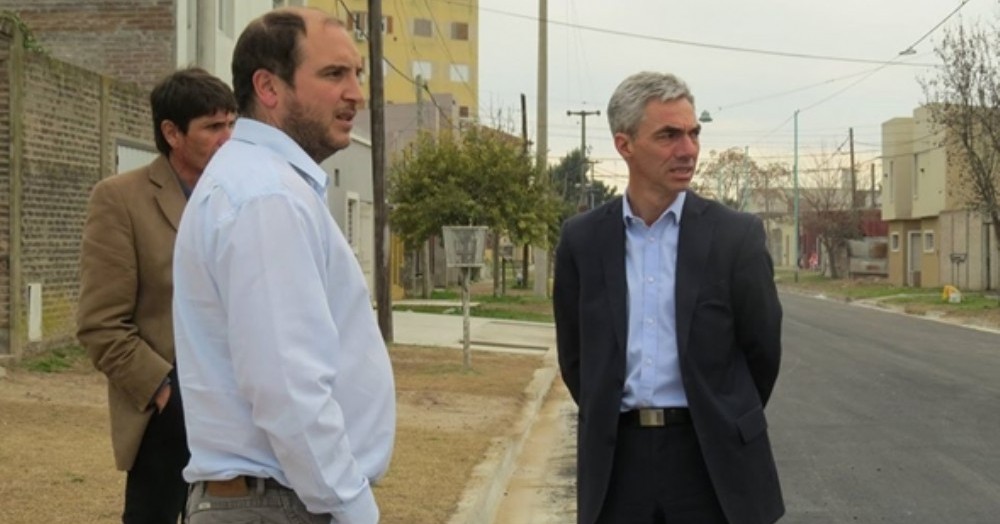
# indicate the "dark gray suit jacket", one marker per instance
pixel 728 337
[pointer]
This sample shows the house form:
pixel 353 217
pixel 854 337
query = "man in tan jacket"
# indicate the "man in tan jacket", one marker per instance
pixel 126 288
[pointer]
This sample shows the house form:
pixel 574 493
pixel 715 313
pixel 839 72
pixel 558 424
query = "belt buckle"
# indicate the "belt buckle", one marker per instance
pixel 652 418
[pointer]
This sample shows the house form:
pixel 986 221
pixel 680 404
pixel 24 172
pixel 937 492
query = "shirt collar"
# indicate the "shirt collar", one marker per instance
pixel 628 216
pixel 257 132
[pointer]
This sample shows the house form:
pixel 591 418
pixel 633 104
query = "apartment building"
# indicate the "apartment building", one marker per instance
pixel 935 239
pixel 435 40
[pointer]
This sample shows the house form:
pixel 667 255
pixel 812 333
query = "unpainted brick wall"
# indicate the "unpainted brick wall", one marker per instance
pixel 130 40
pixel 65 149
pixel 4 195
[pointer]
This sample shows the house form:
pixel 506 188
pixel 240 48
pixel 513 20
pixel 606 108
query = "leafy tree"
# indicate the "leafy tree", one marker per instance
pixel 570 182
pixel 963 98
pixel 479 177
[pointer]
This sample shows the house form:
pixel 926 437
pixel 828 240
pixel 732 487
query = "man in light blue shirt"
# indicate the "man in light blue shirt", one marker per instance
pixel 290 403
pixel 668 327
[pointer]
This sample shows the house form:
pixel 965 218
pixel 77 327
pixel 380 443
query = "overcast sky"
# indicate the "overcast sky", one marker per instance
pixel 742 91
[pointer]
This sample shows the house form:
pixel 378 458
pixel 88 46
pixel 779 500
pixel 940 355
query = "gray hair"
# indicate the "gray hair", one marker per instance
pixel 628 103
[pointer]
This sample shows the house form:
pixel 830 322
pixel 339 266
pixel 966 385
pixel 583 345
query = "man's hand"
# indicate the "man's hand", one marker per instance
pixel 162 397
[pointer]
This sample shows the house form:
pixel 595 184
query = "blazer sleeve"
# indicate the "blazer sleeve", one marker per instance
pixel 566 308
pixel 109 281
pixel 757 310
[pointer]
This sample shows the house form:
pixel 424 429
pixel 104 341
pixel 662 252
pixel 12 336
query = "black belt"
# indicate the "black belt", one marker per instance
pixel 655 417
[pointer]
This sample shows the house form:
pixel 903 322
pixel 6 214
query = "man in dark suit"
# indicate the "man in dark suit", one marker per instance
pixel 669 333
pixel 126 285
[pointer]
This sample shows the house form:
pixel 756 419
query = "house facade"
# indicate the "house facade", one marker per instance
pixel 934 238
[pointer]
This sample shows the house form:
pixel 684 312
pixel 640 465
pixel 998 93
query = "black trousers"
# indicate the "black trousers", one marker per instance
pixel 155 491
pixel 659 477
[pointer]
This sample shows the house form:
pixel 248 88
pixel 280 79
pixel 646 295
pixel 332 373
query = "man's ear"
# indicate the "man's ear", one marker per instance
pixel 171 133
pixel 266 87
pixel 623 144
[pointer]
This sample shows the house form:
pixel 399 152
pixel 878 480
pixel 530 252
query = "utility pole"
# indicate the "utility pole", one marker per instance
pixel 854 179
pixel 541 286
pixel 873 185
pixel 425 252
pixel 383 294
pixel 795 188
pixel 526 253
pixel 583 151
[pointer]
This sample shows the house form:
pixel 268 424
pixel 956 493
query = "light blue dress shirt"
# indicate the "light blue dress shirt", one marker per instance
pixel 652 373
pixel 281 363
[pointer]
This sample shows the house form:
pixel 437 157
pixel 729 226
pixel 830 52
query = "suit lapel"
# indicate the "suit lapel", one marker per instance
pixel 612 237
pixel 693 246
pixel 169 196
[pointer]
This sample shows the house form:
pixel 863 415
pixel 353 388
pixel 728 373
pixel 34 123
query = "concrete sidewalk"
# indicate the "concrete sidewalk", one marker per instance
pixel 524 471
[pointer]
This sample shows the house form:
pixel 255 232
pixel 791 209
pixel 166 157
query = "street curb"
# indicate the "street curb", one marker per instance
pixel 482 496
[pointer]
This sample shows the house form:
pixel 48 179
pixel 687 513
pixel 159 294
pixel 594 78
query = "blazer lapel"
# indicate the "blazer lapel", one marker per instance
pixel 169 195
pixel 693 246
pixel 612 237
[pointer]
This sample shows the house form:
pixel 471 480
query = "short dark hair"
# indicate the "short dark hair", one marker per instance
pixel 270 42
pixel 185 95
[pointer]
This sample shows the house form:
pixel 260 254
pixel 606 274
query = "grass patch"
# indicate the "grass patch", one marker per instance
pixel 65 358
pixel 516 304
pixel 846 288
pixel 975 308
pixel 504 311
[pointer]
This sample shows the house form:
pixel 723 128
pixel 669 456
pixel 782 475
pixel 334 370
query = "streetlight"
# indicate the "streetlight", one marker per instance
pixel 795 184
pixel 705 117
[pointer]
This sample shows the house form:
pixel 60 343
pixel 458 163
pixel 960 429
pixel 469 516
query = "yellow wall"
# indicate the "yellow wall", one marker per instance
pixel 402 48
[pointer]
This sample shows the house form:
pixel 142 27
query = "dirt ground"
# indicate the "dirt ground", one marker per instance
pixel 55 454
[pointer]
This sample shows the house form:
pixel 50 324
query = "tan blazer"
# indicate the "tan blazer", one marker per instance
pixel 124 316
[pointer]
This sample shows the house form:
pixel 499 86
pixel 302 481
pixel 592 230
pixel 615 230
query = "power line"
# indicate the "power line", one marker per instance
pixel 704 45
pixel 364 33
pixel 910 49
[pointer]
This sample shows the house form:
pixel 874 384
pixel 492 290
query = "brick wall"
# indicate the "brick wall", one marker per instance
pixel 129 40
pixel 5 29
pixel 69 121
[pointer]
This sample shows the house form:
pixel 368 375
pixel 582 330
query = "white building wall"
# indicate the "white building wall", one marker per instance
pixel 224 21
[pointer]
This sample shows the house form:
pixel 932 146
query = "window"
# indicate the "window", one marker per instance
pixel 894 241
pixel 463 111
pixel 459 31
pixel 352 220
pixel 915 182
pixel 336 177
pixel 422 27
pixel 421 68
pixel 928 241
pixel 459 72
pixel 358 24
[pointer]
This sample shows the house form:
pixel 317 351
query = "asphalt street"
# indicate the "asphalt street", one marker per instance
pixel 881 417
pixel 877 417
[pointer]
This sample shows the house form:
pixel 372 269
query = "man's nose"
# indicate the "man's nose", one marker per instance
pixel 354 92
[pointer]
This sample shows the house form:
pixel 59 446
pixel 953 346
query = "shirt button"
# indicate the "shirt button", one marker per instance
pixel 649 321
pixel 649 279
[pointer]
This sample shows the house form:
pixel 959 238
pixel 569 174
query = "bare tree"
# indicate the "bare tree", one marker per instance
pixel 732 176
pixel 826 212
pixel 963 99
